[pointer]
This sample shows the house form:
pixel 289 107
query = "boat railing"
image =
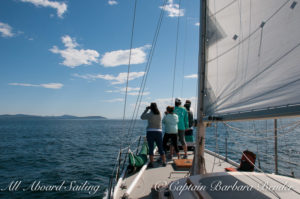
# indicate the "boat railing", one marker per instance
pixel 120 165
pixel 222 148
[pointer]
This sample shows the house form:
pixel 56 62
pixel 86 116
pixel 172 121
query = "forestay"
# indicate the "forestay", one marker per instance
pixel 253 58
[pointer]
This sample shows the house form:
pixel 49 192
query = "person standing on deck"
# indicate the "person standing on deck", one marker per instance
pixel 170 121
pixel 154 132
pixel 187 105
pixel 183 123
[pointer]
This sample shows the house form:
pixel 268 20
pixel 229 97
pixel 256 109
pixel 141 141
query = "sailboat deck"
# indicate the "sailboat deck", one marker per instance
pixel 163 175
pixel 239 185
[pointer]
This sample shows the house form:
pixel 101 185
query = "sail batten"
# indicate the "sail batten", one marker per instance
pixel 253 62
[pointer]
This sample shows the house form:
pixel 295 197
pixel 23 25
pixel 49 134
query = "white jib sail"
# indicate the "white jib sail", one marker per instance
pixel 253 56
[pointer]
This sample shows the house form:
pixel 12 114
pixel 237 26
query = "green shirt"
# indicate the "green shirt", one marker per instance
pixel 183 117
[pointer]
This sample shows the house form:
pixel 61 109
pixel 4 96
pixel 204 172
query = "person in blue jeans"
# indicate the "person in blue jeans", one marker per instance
pixel 154 132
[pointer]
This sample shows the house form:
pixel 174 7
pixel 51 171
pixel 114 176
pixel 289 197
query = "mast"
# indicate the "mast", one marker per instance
pixel 198 162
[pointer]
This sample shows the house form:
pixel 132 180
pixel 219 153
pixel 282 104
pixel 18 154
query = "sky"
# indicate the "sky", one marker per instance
pixel 71 57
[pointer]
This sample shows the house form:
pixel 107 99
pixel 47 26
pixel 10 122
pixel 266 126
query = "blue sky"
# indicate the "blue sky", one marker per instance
pixel 71 57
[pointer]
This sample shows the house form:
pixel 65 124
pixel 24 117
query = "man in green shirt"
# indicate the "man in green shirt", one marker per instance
pixel 183 123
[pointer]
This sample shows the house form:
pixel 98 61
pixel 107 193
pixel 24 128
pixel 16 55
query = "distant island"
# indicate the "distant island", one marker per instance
pixel 23 116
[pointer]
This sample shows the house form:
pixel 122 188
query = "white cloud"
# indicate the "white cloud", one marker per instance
pixel 137 93
pixel 75 57
pixel 192 76
pixel 69 42
pixel 114 100
pixel 123 90
pixel 120 79
pixel 52 85
pixel 6 30
pixel 130 91
pixel 49 85
pixel 60 7
pixel 121 57
pixel 112 2
pixel 173 9
pixel 197 24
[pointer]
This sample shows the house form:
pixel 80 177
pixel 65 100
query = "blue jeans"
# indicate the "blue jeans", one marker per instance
pixel 155 136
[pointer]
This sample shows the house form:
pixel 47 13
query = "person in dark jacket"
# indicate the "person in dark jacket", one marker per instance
pixel 189 130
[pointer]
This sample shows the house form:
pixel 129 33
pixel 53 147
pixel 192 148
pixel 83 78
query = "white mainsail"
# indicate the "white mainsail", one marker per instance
pixel 253 58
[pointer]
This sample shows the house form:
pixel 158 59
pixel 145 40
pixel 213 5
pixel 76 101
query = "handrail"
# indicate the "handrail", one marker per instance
pixel 120 169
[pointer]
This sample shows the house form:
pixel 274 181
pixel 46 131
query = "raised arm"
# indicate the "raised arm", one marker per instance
pixel 145 115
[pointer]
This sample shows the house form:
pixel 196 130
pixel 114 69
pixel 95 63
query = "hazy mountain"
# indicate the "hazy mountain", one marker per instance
pixel 50 117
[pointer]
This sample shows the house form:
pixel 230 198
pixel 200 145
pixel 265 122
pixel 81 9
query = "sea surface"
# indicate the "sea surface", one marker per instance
pixel 59 158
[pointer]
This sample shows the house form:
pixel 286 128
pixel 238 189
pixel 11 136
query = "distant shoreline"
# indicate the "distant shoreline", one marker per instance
pixel 24 116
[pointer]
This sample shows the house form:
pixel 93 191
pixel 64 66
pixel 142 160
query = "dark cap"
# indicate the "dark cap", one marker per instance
pixel 188 102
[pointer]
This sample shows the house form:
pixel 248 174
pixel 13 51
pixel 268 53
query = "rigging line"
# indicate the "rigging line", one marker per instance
pixel 147 68
pixel 217 141
pixel 297 123
pixel 196 96
pixel 246 38
pixel 217 52
pixel 176 50
pixel 248 49
pixel 270 137
pixel 291 188
pixel 260 40
pixel 143 83
pixel 289 155
pixel 217 147
pixel 116 162
pixel 239 8
pixel 271 191
pixel 129 64
pixel 238 145
pixel 282 159
pixel 254 164
pixel 266 142
pixel 184 55
pixel 143 79
pixel 288 161
pixel 125 148
pixel 216 12
pixel 283 172
pixel 263 183
pixel 258 156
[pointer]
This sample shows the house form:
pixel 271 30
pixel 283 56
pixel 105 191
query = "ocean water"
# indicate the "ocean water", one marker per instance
pixel 75 153
pixel 51 158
